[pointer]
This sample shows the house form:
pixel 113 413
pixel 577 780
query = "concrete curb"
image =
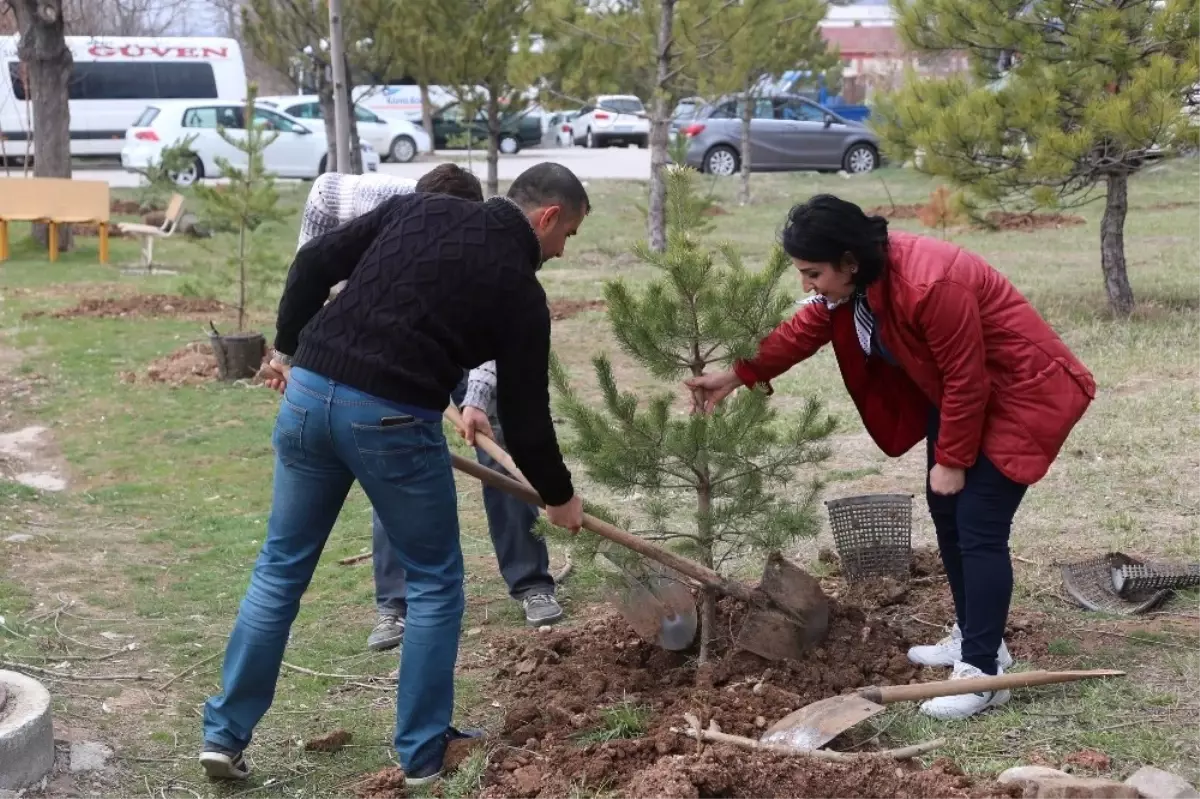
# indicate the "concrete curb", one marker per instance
pixel 26 732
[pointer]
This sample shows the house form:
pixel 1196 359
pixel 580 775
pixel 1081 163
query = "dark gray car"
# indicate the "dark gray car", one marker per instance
pixel 788 132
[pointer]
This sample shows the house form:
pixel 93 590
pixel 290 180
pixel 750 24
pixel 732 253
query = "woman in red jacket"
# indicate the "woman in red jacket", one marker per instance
pixel 932 343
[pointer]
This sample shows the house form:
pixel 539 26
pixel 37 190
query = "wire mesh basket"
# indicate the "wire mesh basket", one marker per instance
pixel 1133 579
pixel 872 534
pixel 1090 582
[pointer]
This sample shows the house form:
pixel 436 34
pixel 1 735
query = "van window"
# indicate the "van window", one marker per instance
pixel 128 81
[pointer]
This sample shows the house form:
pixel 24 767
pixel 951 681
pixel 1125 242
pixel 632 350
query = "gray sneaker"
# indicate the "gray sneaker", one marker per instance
pixel 388 633
pixel 541 610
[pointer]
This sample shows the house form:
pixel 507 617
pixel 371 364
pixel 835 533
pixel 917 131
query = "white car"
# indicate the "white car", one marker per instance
pixel 296 152
pixel 612 119
pixel 394 139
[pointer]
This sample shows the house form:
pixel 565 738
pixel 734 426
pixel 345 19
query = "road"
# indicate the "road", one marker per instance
pixel 627 163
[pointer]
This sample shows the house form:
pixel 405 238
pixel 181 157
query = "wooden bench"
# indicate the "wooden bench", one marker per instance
pixel 54 202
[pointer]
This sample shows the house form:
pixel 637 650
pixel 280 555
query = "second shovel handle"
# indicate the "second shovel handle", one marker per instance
pixel 487 444
pixel 928 690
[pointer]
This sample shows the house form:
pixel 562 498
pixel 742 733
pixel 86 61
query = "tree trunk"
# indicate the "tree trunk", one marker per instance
pixel 659 129
pixel 241 306
pixel 427 114
pixel 325 99
pixel 356 156
pixel 48 65
pixel 493 154
pixel 748 110
pixel 1112 246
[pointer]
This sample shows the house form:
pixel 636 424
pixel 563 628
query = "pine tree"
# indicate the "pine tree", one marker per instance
pixel 1066 99
pixel 708 482
pixel 248 202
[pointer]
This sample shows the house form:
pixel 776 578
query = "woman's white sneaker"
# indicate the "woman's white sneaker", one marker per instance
pixel 948 651
pixel 964 705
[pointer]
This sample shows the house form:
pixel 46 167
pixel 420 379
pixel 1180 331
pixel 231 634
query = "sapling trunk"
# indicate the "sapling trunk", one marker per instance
pixel 1112 245
pixel 241 309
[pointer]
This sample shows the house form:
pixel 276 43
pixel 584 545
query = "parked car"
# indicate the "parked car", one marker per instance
pixel 612 119
pixel 685 111
pixel 559 127
pixel 788 132
pixel 517 131
pixel 396 140
pixel 297 151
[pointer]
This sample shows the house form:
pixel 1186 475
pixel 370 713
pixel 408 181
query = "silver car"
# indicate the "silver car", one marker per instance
pixel 788 132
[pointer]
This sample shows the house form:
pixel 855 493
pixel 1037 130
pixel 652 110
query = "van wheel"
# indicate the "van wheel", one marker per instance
pixel 403 150
pixel 190 176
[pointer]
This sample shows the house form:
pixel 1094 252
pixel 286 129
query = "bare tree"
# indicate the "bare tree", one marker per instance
pixel 126 17
pixel 46 67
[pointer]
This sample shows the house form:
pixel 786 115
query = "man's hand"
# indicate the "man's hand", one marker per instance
pixel 475 421
pixel 946 481
pixel 569 515
pixel 279 383
pixel 708 390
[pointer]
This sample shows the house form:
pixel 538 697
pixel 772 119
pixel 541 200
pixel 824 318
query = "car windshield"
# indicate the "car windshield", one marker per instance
pixel 623 105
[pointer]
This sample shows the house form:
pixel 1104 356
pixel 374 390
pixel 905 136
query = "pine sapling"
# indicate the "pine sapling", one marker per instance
pixel 711 486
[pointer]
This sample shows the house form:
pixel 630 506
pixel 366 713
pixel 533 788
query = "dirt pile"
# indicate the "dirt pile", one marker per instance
pixel 565 309
pixel 1007 220
pixel 903 211
pixel 136 305
pixel 190 365
pixel 385 784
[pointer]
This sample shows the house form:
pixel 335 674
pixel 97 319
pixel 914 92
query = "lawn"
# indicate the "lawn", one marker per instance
pixel 122 599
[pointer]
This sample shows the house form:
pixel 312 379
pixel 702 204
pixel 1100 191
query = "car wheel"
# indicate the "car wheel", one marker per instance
pixel 321 166
pixel 509 145
pixel 859 159
pixel 191 175
pixel 589 141
pixel 403 149
pixel 643 142
pixel 721 160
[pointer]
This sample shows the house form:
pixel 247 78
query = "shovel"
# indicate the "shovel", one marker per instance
pixel 658 608
pixel 815 725
pixel 788 611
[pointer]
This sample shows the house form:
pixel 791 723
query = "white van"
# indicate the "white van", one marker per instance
pixel 112 81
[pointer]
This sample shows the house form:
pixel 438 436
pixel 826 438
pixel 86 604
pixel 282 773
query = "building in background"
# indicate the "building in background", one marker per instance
pixel 873 56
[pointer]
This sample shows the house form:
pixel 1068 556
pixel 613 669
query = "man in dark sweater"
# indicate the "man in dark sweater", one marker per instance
pixel 434 285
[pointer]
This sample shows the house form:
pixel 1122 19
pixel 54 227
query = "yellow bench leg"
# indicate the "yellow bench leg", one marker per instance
pixel 103 242
pixel 52 240
pixel 3 239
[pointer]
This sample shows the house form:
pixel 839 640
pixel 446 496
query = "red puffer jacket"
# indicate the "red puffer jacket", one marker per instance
pixel 966 341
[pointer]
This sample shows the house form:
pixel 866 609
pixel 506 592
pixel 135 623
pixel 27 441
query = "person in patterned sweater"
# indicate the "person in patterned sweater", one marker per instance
pixel 522 555
pixel 435 285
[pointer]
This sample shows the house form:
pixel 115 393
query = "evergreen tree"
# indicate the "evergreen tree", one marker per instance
pixel 248 202
pixel 708 482
pixel 1066 99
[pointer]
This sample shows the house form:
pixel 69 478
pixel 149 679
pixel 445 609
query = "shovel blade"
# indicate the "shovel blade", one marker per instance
pixel 660 610
pixel 815 725
pixel 799 619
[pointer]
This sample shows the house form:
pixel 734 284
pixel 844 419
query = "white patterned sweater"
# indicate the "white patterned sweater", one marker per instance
pixel 336 199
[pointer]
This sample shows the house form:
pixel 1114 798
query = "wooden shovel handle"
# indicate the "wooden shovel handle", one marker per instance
pixel 701 574
pixel 928 690
pixel 487 444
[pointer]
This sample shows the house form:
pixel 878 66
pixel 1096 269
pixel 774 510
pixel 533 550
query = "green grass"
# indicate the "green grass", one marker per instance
pixel 623 720
pixel 170 488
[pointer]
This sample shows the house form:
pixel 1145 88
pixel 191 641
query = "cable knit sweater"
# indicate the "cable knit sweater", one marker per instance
pixel 433 284
pixel 335 199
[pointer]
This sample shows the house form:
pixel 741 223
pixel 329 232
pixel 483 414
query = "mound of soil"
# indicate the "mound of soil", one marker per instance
pixel 565 309
pixel 909 211
pixel 385 784
pixel 1007 220
pixel 190 365
pixel 137 305
pixel 555 686
pixel 131 207
pixel 85 229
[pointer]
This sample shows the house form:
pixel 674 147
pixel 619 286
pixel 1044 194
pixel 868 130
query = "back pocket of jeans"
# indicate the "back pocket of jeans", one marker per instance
pixel 394 453
pixel 288 436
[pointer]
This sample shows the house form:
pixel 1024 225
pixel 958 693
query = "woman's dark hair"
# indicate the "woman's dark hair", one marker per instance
pixel 825 228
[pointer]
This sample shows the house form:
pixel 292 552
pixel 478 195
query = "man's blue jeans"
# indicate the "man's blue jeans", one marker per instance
pixel 522 555
pixel 327 435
